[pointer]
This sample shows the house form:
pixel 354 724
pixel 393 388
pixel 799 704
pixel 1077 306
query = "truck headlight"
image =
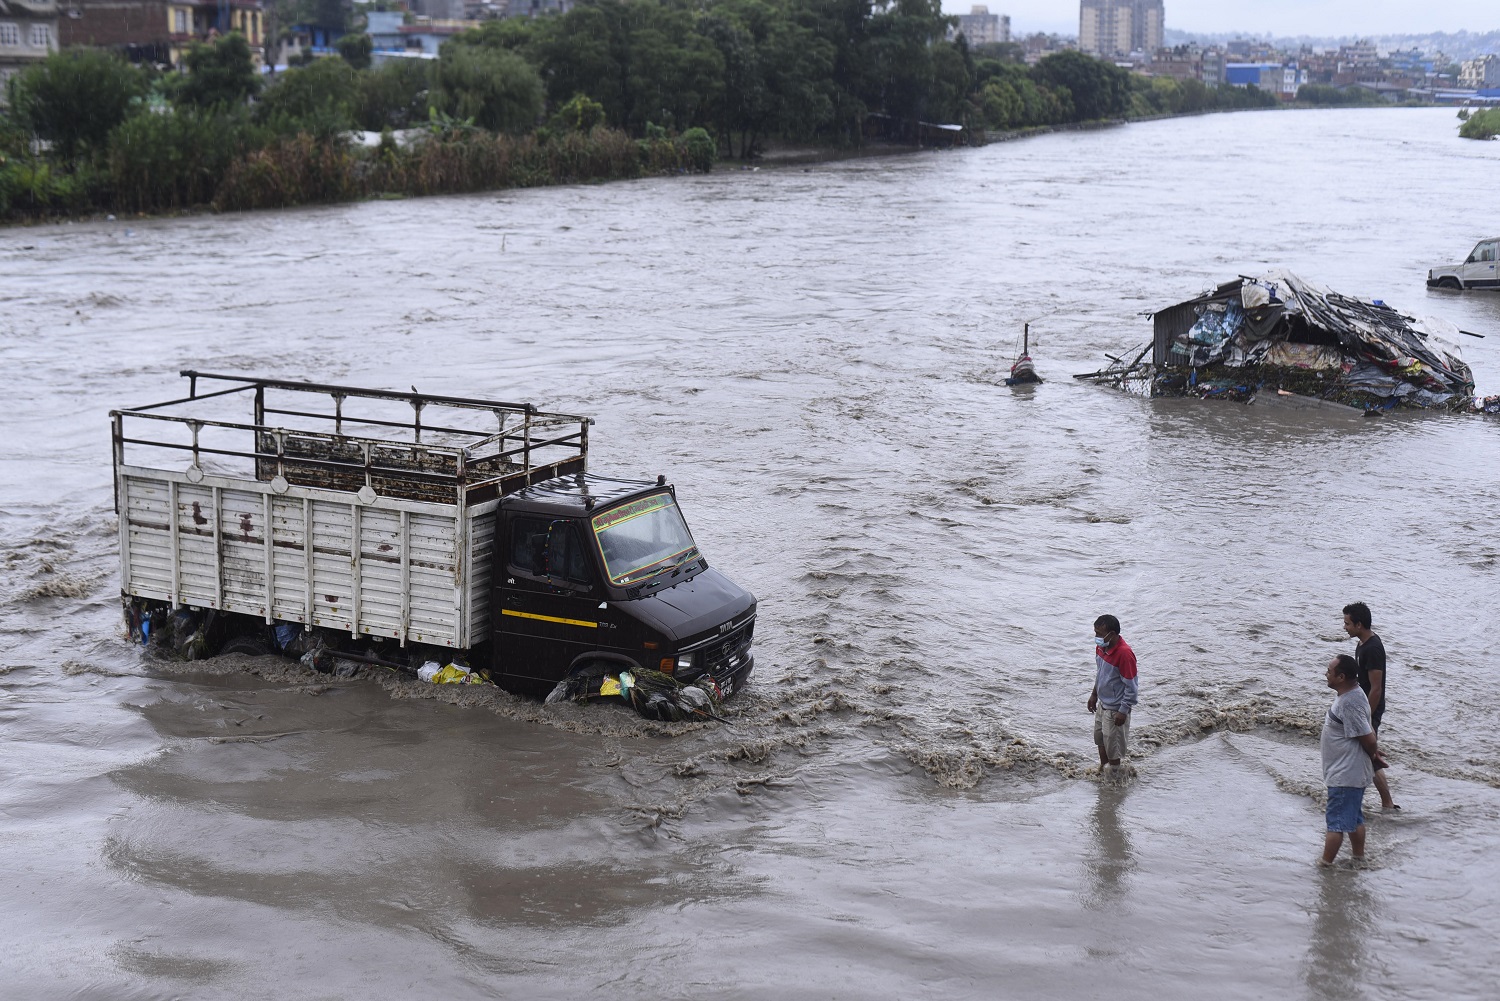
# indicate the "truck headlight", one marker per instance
pixel 684 662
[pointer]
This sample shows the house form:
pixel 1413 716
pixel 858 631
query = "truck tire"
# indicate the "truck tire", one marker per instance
pixel 249 645
pixel 1449 281
pixel 582 676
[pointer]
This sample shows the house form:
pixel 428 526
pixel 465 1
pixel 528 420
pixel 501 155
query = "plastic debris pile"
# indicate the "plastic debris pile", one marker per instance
pixel 1280 332
pixel 651 693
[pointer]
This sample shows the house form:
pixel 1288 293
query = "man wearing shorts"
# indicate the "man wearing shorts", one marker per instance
pixel 1369 655
pixel 1348 745
pixel 1115 691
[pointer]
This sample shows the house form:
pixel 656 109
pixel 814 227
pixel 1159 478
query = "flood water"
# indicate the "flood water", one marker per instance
pixel 904 803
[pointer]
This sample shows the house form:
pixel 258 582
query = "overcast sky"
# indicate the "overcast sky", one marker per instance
pixel 1276 17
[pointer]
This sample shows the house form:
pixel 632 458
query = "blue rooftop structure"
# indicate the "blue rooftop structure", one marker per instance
pixel 1242 74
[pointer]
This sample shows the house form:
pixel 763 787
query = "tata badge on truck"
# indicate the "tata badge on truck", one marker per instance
pixel 399 528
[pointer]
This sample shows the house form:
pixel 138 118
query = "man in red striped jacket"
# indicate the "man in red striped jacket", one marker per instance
pixel 1115 691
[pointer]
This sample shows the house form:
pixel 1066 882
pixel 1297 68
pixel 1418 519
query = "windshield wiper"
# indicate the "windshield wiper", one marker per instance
pixel 692 554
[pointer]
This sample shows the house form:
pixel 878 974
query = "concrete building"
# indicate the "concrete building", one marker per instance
pixel 28 33
pixel 1281 79
pixel 1480 74
pixel 1108 28
pixel 1213 66
pixel 980 27
pixel 384 29
pixel 1182 62
pixel 428 36
pixel 440 10
pixel 1038 46
pixel 537 8
pixel 159 31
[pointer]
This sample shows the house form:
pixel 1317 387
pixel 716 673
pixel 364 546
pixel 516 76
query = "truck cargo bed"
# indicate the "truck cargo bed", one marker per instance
pixel 387 532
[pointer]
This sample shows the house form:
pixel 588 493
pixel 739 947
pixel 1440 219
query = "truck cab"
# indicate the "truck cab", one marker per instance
pixel 1479 269
pixel 596 574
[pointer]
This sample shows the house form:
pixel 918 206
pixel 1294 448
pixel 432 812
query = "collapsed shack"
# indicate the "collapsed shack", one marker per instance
pixel 1279 332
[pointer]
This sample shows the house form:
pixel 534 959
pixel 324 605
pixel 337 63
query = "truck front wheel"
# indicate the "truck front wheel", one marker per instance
pixel 1448 281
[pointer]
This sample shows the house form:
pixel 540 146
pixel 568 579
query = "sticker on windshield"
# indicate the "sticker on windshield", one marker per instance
pixel 625 512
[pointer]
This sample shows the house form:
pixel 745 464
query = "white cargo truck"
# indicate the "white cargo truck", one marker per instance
pixel 400 528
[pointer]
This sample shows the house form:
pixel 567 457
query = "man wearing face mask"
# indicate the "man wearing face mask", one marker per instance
pixel 1115 691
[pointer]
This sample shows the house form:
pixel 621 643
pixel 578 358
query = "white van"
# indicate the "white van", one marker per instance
pixel 1479 271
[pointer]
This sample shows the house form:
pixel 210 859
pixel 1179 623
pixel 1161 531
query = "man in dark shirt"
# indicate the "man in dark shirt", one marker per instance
pixel 1369 655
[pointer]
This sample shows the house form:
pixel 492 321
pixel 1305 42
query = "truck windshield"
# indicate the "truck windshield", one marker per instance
pixel 643 538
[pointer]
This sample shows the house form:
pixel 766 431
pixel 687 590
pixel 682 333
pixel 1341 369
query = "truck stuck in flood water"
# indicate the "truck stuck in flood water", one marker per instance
pixel 397 529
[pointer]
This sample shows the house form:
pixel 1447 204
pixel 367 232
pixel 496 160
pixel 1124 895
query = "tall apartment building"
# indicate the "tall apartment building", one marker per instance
pixel 1109 28
pixel 1480 74
pixel 980 27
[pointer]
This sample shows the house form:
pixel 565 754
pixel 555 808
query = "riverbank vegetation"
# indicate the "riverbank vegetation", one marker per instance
pixel 87 132
pixel 610 89
pixel 1481 124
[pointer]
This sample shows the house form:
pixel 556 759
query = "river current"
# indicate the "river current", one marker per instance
pixel 904 803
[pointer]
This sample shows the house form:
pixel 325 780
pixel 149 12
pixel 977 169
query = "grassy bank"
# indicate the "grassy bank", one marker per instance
pixel 159 173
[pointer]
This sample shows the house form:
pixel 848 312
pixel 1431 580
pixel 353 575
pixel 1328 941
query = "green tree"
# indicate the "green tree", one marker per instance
pixel 1001 105
pixel 356 50
pixel 396 95
pixel 74 98
pixel 586 51
pixel 517 34
pixel 641 59
pixel 744 104
pixel 580 114
pixel 1098 89
pixel 844 25
pixel 901 72
pixel 220 74
pixel 319 98
pixel 951 76
pixel 497 88
pixel 777 73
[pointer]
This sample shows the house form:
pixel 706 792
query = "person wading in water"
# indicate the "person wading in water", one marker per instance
pixel 1115 692
pixel 1349 755
pixel 1369 656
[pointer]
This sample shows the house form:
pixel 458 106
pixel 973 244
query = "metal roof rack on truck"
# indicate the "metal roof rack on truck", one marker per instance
pixel 375 450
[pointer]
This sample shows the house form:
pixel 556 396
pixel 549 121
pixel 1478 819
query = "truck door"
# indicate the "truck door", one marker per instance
pixel 1479 270
pixel 549 599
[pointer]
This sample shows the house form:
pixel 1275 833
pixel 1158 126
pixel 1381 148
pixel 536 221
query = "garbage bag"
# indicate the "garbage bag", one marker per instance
pixel 449 674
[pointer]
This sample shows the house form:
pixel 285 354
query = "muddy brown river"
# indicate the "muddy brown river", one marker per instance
pixel 904 803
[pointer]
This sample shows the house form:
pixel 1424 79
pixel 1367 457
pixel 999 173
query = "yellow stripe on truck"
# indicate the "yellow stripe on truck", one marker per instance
pixel 550 618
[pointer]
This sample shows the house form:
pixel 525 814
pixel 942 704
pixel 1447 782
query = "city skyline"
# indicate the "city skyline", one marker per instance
pixel 1278 17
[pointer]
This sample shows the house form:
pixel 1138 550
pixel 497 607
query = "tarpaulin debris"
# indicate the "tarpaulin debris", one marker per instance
pixel 1280 332
pixel 651 693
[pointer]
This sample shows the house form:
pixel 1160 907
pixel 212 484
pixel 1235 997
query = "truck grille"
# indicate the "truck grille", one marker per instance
pixel 724 656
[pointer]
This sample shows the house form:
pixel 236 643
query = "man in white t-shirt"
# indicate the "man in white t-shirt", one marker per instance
pixel 1349 756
